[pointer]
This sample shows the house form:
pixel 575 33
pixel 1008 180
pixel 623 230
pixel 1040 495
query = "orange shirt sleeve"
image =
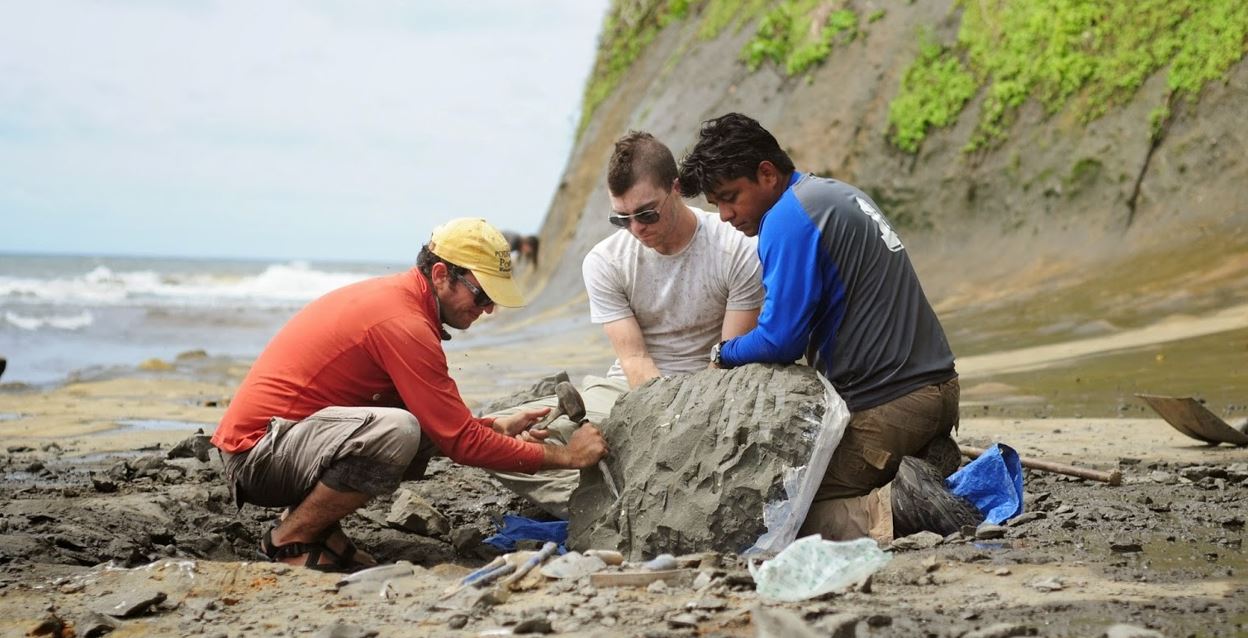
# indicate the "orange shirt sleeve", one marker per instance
pixel 410 351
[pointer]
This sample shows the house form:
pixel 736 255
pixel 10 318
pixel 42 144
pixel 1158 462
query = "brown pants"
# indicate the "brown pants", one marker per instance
pixel 848 501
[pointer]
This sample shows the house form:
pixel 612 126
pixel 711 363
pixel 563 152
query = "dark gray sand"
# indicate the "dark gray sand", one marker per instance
pixel 1162 551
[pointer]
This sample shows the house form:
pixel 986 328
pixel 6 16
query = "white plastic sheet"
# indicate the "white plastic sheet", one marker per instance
pixel 784 517
pixel 812 567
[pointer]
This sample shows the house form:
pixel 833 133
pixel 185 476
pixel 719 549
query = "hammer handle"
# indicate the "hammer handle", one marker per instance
pixel 1113 477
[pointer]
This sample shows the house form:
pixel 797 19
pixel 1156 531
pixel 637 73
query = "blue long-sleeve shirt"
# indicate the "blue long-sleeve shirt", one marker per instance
pixel 842 291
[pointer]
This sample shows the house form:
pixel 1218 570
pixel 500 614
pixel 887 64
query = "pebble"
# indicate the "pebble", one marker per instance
pixel 344 630
pixel 842 625
pixel 1165 478
pixel 1131 631
pixel 660 563
pixel 1125 545
pixel 879 620
pixel 683 621
pixel 657 587
pixel 988 531
pixel 703 579
pixel 572 565
pixel 777 622
pixel 710 603
pixel 922 540
pixel 1026 517
pixel 127 604
pixel 1048 584
pixel 535 625
pixel 457 621
pixel 1001 630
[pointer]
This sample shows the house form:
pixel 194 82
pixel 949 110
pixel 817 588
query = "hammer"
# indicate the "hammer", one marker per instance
pixel 571 404
pixel 1113 477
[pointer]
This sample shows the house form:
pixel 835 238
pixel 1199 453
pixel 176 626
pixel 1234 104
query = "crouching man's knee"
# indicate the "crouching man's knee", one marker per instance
pixel 373 459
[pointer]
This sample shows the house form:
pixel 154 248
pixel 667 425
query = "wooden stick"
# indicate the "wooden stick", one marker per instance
pixel 1113 477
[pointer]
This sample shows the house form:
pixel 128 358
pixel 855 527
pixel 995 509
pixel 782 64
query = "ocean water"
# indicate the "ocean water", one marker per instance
pixel 63 314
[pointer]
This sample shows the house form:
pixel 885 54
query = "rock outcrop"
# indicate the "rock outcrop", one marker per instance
pixel 697 458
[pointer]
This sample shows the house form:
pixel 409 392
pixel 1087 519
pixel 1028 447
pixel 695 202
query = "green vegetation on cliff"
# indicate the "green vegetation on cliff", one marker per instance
pixel 796 35
pixel 933 91
pixel 1086 55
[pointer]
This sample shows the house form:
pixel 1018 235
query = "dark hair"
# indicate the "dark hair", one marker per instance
pixel 729 146
pixel 426 259
pixel 638 155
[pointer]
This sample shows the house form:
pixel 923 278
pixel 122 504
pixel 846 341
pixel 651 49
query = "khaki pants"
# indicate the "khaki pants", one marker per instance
pixel 369 450
pixel 551 489
pixel 853 499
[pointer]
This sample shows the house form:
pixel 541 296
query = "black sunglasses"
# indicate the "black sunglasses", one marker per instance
pixel 646 217
pixel 479 296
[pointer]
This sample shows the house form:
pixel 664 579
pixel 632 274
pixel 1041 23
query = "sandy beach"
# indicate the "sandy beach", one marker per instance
pixel 92 501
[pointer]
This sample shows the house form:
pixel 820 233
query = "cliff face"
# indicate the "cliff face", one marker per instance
pixel 1093 215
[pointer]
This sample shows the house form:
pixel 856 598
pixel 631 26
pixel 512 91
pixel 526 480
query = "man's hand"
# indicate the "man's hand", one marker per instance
pixel 585 448
pixel 514 424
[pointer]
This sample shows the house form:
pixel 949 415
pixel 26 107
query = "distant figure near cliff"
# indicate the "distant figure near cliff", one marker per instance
pixel 523 246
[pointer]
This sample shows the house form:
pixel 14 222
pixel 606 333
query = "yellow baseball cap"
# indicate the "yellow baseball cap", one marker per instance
pixel 476 245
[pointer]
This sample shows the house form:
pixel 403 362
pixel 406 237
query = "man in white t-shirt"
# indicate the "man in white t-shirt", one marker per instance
pixel 670 284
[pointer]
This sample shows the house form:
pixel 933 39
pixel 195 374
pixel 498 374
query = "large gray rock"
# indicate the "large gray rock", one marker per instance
pixel 696 458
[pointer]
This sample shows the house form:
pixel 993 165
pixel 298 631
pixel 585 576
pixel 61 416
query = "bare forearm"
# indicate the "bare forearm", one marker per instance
pixel 639 370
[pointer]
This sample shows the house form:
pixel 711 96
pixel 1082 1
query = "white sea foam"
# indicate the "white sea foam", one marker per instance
pixel 277 285
pixel 60 322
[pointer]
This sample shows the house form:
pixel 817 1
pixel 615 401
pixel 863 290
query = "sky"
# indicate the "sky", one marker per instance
pixel 279 129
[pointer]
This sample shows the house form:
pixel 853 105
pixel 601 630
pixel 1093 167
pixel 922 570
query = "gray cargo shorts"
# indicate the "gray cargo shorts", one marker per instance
pixel 369 450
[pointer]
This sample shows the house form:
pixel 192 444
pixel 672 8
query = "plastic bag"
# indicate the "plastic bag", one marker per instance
pixel 993 482
pixel 785 516
pixel 812 567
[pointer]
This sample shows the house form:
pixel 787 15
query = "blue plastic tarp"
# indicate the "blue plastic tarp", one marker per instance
pixel 993 482
pixel 518 528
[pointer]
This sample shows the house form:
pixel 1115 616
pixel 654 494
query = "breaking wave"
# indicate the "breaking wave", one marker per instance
pixel 278 285
pixel 60 322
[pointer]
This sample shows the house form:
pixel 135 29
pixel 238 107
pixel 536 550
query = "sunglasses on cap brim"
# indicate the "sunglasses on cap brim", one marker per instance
pixel 646 217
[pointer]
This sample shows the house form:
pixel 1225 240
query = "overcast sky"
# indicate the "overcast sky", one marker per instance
pixel 282 129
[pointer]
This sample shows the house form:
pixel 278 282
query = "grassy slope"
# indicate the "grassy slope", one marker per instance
pixel 1083 55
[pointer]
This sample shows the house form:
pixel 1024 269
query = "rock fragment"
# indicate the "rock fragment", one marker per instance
pixel 94 624
pixel 1131 631
pixel 922 540
pixel 701 456
pixel 839 625
pixel 776 622
pixel 988 531
pixel 535 625
pixel 196 446
pixel 572 565
pixel 1001 630
pixel 414 514
pixel 128 604
pixel 344 630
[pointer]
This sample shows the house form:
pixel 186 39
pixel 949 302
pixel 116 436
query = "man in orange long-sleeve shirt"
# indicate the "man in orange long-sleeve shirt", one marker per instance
pixel 353 394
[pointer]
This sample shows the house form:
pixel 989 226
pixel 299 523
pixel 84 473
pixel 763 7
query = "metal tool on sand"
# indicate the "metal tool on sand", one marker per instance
pixel 1113 477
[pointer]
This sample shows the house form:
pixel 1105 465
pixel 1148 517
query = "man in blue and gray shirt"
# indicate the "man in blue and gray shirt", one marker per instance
pixel 841 291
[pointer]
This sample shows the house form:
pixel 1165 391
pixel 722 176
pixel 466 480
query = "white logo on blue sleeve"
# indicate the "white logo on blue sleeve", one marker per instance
pixel 886 230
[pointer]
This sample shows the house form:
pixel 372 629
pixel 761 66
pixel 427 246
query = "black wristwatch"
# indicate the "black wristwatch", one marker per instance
pixel 716 359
